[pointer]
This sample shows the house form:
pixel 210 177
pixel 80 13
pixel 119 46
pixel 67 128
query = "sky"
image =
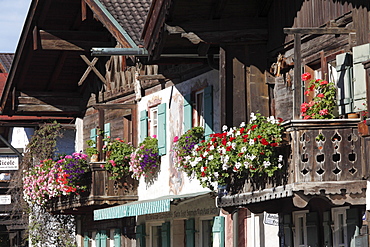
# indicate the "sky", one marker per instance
pixel 12 16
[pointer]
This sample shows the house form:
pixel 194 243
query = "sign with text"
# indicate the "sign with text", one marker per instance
pixel 271 219
pixel 5 199
pixel 9 162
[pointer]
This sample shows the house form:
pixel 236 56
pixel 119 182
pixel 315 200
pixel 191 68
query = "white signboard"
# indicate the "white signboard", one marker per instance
pixel 8 162
pixel 271 219
pixel 5 199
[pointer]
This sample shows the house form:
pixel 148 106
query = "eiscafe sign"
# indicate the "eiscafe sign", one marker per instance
pixel 9 162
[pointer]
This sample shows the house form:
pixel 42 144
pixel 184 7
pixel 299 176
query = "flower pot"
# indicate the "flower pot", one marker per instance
pixel 94 158
pixel 353 115
pixel 363 129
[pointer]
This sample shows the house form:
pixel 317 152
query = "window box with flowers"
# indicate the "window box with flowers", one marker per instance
pixel 145 160
pixel 248 153
pixel 118 156
pixel 51 179
pixel 323 102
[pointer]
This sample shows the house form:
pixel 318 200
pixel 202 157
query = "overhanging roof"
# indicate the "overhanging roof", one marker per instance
pixel 153 206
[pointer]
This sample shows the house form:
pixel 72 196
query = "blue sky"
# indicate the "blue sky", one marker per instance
pixel 12 16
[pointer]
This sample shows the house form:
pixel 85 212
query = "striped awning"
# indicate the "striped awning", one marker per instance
pixel 153 206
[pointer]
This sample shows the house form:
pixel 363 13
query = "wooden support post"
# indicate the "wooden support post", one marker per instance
pixel 100 137
pixel 297 85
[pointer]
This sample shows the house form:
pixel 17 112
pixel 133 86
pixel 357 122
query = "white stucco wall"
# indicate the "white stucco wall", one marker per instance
pixel 79 135
pixel 171 180
pixel 19 137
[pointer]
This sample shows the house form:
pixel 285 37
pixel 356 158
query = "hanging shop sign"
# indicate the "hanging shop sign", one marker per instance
pixel 5 199
pixel 9 162
pixel 271 219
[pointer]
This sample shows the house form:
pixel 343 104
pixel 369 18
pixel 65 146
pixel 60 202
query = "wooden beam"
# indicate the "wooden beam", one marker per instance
pixel 152 77
pixel 91 68
pixel 319 30
pixel 83 10
pixel 57 70
pixel 72 40
pixel 297 89
pixel 48 108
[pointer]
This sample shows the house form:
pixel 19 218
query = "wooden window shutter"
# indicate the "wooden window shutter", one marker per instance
pixel 327 222
pixel 162 129
pixel 208 111
pixel 143 125
pixel 287 228
pixel 93 136
pixel 218 230
pixel 312 221
pixel 344 83
pixel 117 237
pixel 166 234
pixel 188 113
pixel 103 238
pixel 86 239
pixel 140 235
pixel 353 225
pixel 360 54
pixel 106 130
pixel 190 232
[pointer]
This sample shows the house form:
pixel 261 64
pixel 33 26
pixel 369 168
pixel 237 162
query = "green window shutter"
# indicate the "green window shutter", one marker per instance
pixel 327 222
pixel 93 136
pixel 353 225
pixel 107 129
pixel 86 239
pixel 288 234
pixel 188 113
pixel 140 235
pixel 312 221
pixel 208 111
pixel 103 238
pixel 97 239
pixel 219 229
pixel 143 125
pixel 162 129
pixel 344 83
pixel 190 232
pixel 117 237
pixel 360 54
pixel 166 234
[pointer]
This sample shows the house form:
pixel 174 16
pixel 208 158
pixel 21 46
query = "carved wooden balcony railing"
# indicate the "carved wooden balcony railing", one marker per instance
pixel 322 157
pixel 101 192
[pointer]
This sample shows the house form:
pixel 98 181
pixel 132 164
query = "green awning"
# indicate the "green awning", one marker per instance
pixel 158 205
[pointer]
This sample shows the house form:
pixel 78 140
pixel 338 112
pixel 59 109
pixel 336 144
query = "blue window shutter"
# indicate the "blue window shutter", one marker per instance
pixel 344 83
pixel 361 54
pixel 327 229
pixel 162 129
pixel 188 113
pixel 190 232
pixel 208 111
pixel 97 239
pixel 93 136
pixel 166 234
pixel 86 239
pixel 103 238
pixel 117 237
pixel 143 125
pixel 287 228
pixel 219 229
pixel 353 225
pixel 140 235
pixel 312 221
pixel 107 130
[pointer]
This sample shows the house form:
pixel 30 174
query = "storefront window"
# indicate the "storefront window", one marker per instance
pixel 207 236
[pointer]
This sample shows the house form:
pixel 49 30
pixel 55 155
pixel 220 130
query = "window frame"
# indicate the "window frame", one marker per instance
pixel 335 227
pixel 200 227
pixel 149 229
pixel 297 228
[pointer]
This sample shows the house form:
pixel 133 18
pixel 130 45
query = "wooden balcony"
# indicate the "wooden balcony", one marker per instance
pixel 321 157
pixel 102 192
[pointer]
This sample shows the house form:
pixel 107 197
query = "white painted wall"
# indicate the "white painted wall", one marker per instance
pixel 19 137
pixel 260 234
pixel 79 135
pixel 173 96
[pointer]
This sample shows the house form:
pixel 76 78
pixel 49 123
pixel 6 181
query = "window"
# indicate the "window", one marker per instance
pixel 300 233
pixel 153 121
pixel 156 236
pixel 199 109
pixel 206 237
pixel 340 226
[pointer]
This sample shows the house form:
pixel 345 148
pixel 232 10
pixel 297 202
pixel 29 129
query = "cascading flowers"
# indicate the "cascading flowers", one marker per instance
pixel 247 151
pixel 118 157
pixel 323 95
pixel 145 160
pixel 50 178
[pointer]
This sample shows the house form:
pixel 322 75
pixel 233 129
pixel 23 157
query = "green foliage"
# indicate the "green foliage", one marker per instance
pixel 91 150
pixel 118 157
